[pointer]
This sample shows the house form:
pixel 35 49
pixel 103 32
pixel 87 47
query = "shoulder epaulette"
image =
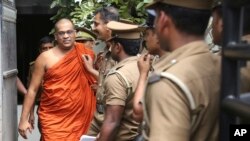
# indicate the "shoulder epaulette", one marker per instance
pixel 154 78
pixel 113 70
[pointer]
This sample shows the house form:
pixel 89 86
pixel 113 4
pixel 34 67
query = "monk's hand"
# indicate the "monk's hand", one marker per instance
pixel 144 63
pixel 23 127
pixel 88 62
pixel 32 119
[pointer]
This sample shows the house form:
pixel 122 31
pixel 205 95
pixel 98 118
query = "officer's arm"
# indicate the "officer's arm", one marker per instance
pixel 144 66
pixel 113 115
pixel 20 87
pixel 137 105
pixel 116 96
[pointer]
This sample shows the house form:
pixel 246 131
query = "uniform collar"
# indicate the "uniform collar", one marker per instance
pixel 125 61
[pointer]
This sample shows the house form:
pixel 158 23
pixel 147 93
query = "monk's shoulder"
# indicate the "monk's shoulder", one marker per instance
pixel 44 58
pixel 44 55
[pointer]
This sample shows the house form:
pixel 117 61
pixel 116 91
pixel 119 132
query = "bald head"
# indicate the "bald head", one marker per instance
pixel 63 21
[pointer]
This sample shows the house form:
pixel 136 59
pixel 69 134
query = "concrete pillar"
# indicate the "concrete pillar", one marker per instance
pixel 8 71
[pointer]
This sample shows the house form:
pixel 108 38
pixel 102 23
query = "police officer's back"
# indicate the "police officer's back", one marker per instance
pixel 182 101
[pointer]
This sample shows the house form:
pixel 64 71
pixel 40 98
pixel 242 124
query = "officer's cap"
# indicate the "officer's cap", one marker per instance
pixel 217 3
pixel 193 4
pixel 124 30
pixel 85 34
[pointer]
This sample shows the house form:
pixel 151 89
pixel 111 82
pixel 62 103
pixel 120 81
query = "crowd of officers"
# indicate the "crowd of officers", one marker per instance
pixel 174 97
pixel 171 91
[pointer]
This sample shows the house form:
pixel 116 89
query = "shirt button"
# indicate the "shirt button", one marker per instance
pixel 173 61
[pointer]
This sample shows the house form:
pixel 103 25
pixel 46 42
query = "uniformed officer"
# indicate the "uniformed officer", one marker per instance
pixel 217 29
pixel 103 63
pixel 181 102
pixel 217 23
pixel 245 71
pixel 146 64
pixel 86 37
pixel 45 43
pixel 120 84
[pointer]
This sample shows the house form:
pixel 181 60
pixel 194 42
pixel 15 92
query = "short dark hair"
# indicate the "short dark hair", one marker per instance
pixel 130 46
pixel 194 21
pixel 45 39
pixel 109 13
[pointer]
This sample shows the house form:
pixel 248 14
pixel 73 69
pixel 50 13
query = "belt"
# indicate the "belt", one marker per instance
pixel 100 108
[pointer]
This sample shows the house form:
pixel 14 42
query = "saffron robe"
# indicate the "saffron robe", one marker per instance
pixel 67 101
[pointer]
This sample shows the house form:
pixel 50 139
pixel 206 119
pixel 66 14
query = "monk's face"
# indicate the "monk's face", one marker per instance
pixel 65 34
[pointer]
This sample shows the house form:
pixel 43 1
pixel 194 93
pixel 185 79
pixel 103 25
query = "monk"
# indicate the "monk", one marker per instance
pixel 67 101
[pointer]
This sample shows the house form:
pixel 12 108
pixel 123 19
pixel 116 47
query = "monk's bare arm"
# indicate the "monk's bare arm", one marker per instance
pixel 37 76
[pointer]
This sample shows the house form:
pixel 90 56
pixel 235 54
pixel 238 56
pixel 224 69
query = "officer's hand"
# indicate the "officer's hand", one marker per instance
pixel 88 62
pixel 94 86
pixel 144 63
pixel 99 60
pixel 23 127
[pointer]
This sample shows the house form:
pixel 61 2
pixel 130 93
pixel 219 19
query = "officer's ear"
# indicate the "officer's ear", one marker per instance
pixel 119 46
pixel 220 24
pixel 162 20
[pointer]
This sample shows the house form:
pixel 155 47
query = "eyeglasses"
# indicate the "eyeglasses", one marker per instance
pixel 68 32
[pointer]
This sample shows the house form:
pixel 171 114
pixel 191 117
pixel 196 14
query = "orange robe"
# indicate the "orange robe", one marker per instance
pixel 67 102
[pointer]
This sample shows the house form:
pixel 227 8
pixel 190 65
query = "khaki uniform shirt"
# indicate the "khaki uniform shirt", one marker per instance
pixel 116 93
pixel 105 65
pixel 168 109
